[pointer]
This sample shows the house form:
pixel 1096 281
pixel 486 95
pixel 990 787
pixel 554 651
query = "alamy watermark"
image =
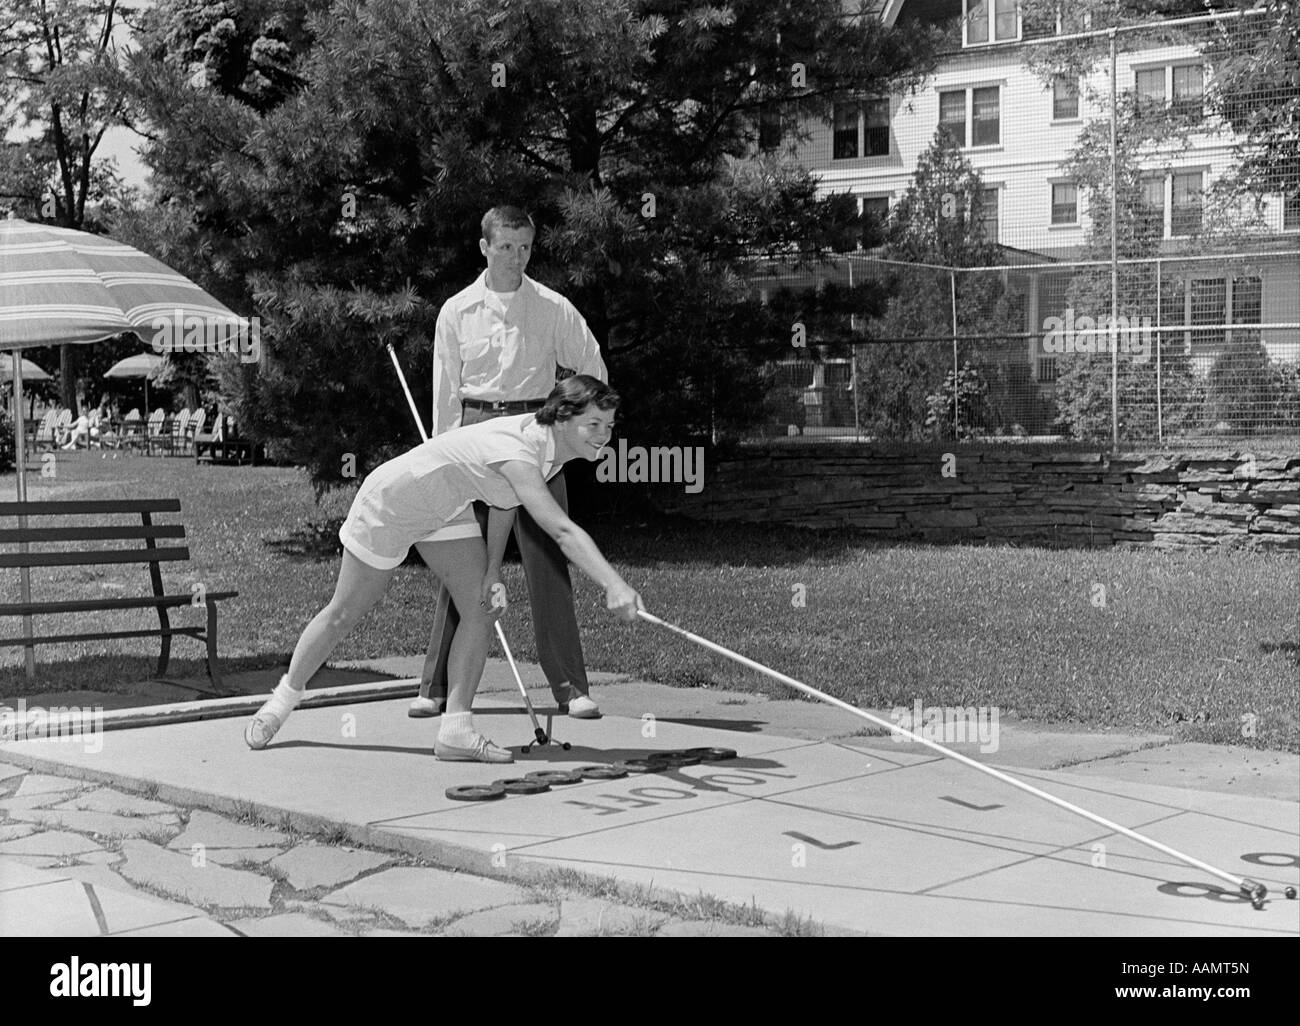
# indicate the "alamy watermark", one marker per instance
pixel 190 333
pixel 660 464
pixel 58 723
pixel 1085 334
pixel 948 724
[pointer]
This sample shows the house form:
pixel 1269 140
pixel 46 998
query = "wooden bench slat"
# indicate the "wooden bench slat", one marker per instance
pixel 90 605
pixel 35 535
pixel 100 556
pixel 36 509
pixel 48 639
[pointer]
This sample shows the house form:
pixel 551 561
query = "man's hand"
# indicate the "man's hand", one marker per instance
pixel 622 600
pixel 492 595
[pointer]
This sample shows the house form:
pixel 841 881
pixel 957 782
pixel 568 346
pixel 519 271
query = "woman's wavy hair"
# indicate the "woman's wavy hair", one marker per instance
pixel 573 395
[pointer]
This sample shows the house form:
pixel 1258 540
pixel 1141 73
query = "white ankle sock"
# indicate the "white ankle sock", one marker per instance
pixel 283 700
pixel 456 728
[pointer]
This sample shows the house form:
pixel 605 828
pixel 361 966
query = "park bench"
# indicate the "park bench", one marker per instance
pixel 25 546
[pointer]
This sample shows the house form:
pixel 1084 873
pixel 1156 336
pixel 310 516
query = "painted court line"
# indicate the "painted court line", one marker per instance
pixel 863 889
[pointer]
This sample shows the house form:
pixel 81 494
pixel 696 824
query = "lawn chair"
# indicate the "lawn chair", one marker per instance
pixel 44 438
pixel 193 429
pixel 154 431
pixel 62 427
pixel 132 432
pixel 172 439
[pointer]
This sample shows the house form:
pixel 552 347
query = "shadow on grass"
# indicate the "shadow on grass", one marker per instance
pixel 124 674
pixel 316 542
pixel 647 540
pixel 1291 648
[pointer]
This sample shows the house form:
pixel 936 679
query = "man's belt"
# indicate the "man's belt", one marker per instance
pixel 507 406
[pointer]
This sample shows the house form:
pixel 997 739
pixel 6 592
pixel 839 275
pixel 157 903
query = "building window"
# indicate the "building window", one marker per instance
pixel 1209 305
pixel 1065 98
pixel 1151 90
pixel 845 138
pixel 1247 306
pixel 985 120
pixel 1006 20
pixel 1185 207
pixel 769 130
pixel 1291 212
pixel 977 21
pixel 875 214
pixel 988 216
pixel 1151 208
pixel 1178 87
pixel 1065 203
pixel 876 208
pixel 1047 368
pixel 952 115
pixel 973 114
pixel 985 21
pixel 1188 91
pixel 877 132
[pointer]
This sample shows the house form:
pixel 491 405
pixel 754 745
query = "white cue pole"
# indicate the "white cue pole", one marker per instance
pixel 1243 884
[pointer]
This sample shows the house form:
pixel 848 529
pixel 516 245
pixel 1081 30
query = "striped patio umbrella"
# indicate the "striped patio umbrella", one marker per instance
pixel 61 286
pixel 29 370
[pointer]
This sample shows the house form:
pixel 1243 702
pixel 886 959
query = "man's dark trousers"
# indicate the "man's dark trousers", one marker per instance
pixel 550 596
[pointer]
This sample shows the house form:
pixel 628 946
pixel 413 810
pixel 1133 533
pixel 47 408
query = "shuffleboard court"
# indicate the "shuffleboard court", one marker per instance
pixel 877 836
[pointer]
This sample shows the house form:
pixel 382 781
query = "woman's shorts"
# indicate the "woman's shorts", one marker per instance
pixel 384 547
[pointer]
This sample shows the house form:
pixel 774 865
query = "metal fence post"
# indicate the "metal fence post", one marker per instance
pixel 956 418
pixel 1114 255
pixel 1160 423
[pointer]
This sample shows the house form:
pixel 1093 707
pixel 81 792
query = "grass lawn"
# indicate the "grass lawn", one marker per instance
pixel 1187 643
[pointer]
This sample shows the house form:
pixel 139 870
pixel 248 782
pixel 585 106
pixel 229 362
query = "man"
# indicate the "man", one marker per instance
pixel 495 352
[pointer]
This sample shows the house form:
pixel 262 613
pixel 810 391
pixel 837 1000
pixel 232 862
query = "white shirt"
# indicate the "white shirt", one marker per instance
pixel 491 347
pixel 427 487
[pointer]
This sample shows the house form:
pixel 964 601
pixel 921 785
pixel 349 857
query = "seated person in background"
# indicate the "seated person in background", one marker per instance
pixel 102 423
pixel 79 430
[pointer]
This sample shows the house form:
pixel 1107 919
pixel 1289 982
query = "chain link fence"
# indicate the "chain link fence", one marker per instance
pixel 1070 233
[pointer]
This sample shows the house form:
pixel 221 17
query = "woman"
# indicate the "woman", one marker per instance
pixel 424 498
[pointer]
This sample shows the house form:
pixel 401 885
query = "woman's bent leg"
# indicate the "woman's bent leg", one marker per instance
pixel 460 564
pixel 359 587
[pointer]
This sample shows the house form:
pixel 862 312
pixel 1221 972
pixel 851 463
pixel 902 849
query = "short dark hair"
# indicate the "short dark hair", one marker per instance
pixel 505 217
pixel 573 395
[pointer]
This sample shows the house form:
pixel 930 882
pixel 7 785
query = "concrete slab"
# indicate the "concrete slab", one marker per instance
pixel 40 861
pixel 14 874
pixel 67 906
pixel 32 801
pixel 708 928
pixel 40 783
pixel 595 917
pixel 109 800
pixel 8 770
pixel 496 922
pixel 214 831
pixel 199 926
pixel 861 834
pixel 233 856
pixel 291 924
pixel 309 866
pixel 421 897
pixel 100 858
pixel 49 842
pixel 99 823
pixel 1240 771
pixel 210 884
